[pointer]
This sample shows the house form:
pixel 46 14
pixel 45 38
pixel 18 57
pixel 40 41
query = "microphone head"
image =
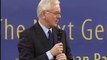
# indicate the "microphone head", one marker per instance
pixel 59 35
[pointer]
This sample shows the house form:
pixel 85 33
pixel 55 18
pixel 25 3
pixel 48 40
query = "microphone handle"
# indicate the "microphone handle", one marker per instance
pixel 59 36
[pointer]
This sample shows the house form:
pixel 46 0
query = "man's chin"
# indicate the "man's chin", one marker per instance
pixel 55 25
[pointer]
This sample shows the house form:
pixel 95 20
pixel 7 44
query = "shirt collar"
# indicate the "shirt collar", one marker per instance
pixel 45 29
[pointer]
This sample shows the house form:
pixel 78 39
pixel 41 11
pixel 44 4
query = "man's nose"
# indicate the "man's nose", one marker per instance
pixel 59 16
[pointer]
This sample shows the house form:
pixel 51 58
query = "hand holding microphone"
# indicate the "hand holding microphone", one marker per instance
pixel 57 49
pixel 61 56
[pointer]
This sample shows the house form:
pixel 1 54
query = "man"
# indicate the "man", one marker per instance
pixel 40 42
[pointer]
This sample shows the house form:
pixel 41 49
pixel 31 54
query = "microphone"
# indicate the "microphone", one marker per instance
pixel 59 36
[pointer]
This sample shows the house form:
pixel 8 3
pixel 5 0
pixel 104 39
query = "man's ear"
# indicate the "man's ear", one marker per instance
pixel 43 12
pixel 42 15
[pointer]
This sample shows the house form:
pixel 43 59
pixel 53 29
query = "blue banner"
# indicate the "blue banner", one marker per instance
pixel 85 22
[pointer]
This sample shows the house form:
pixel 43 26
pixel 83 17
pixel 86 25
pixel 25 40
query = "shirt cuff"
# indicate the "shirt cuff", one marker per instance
pixel 50 56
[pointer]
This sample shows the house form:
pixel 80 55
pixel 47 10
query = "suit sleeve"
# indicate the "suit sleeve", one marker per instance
pixel 67 48
pixel 26 49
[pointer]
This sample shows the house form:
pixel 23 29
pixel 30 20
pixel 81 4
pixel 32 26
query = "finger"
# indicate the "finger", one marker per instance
pixel 58 58
pixel 60 44
pixel 62 54
pixel 61 57
pixel 60 49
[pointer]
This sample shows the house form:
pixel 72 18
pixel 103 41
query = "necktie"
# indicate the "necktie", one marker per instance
pixel 50 37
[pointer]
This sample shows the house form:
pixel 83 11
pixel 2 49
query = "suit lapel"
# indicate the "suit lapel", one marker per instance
pixel 42 37
pixel 55 35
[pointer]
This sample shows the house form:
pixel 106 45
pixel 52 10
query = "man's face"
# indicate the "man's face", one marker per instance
pixel 52 16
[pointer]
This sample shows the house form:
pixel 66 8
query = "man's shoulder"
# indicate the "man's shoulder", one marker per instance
pixel 28 30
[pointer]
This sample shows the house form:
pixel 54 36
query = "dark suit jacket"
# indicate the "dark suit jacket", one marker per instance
pixel 33 44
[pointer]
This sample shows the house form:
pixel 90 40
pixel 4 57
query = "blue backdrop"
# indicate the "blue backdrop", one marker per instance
pixel 85 22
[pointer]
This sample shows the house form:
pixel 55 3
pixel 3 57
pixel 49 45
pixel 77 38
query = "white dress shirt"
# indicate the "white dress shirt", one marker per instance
pixel 48 53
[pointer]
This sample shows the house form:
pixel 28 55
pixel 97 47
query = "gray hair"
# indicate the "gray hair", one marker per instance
pixel 46 5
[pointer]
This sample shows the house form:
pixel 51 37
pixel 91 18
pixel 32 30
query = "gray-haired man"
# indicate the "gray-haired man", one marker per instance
pixel 34 42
